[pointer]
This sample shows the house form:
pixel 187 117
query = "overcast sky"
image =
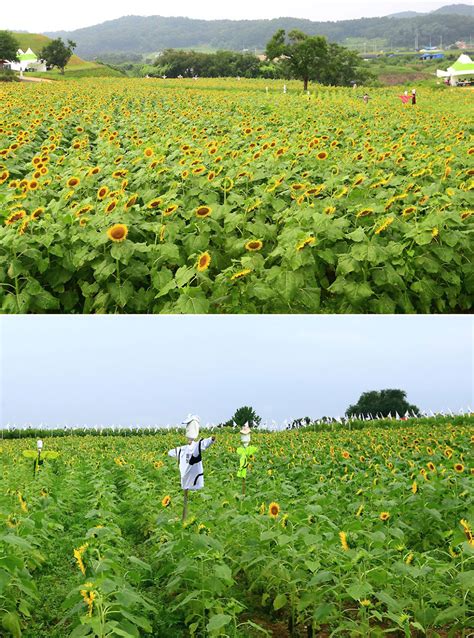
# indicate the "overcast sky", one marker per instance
pixel 52 15
pixel 145 370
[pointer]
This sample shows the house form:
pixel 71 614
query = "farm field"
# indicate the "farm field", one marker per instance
pixel 351 533
pixel 152 196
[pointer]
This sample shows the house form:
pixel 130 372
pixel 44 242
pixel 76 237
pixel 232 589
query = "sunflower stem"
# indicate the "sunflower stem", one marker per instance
pixel 118 271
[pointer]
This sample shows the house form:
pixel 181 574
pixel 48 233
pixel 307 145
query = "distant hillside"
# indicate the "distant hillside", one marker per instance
pixel 450 9
pixel 138 34
pixel 457 9
pixel 77 66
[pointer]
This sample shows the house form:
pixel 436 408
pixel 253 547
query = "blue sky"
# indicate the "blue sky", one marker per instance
pixel 155 370
pixel 52 15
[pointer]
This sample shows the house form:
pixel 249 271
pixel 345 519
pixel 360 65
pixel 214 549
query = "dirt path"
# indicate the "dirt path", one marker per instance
pixel 24 79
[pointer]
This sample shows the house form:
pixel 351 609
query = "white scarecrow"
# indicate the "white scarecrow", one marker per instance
pixel 246 453
pixel 190 458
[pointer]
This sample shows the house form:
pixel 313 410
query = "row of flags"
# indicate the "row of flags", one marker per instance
pixel 273 426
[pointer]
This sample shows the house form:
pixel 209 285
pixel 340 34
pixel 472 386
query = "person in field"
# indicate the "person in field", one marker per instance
pixel 413 96
pixel 189 456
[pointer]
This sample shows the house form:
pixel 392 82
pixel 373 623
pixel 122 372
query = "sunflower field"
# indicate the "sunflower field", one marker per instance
pixel 152 196
pixel 336 533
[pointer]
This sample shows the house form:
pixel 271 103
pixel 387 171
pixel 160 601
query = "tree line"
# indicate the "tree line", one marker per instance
pixel 295 55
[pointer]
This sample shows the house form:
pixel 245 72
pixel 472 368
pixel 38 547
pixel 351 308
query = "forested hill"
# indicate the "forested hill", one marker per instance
pixel 135 34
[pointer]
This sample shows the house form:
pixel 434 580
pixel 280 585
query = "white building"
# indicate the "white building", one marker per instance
pixel 28 61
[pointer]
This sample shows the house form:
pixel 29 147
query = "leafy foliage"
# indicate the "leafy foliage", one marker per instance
pixel 382 402
pixel 93 545
pixel 57 53
pixel 8 46
pixel 312 58
pixel 244 415
pixel 233 199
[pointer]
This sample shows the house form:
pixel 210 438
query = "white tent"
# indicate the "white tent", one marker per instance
pixel 463 67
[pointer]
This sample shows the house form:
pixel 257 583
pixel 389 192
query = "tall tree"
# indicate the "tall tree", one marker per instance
pixel 383 402
pixel 305 56
pixel 57 53
pixel 9 46
pixel 244 415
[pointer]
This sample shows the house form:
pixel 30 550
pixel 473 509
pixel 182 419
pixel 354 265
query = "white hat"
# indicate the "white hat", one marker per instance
pixel 39 444
pixel 192 426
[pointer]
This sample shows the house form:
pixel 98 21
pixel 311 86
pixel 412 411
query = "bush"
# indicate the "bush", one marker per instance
pixel 7 75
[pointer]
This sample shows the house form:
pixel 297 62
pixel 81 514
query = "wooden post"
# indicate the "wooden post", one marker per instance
pixel 185 505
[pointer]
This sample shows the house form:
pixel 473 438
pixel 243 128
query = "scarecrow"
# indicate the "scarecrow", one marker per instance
pixel 246 452
pixel 39 456
pixel 190 459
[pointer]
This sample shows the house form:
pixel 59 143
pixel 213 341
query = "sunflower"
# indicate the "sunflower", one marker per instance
pixel 102 192
pixel 240 274
pixel 37 213
pixel 73 181
pixel 203 262
pixel 345 455
pixel 33 185
pixel 343 538
pixel 384 225
pixel 253 245
pixel 414 487
pixel 148 152
pixel 24 226
pixel 131 201
pixel 408 211
pixel 431 467
pixel 14 217
pixel 111 206
pixel 203 211
pixel 273 510
pixel 459 467
pixel 322 155
pixel 329 210
pixel 169 210
pixel 364 212
pixel 93 171
pixel 309 241
pixel 166 501
pixel 154 203
pixel 384 516
pixel 117 232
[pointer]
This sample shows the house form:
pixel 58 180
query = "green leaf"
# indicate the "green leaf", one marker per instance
pixel 218 621
pixel 104 270
pixel 224 573
pixel 192 302
pixel 279 602
pixel 184 275
pixel 11 622
pixel 121 293
pixel 359 590
pixel 455 612
pixel 466 579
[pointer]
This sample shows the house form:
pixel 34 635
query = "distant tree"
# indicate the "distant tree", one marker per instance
pixel 344 67
pixel 244 415
pixel 9 46
pixel 305 56
pixel 57 53
pixel 382 402
pixel 311 57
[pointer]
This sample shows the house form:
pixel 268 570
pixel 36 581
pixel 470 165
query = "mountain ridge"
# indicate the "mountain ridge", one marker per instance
pixel 147 34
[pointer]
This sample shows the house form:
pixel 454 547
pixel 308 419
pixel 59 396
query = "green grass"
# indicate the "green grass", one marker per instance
pixel 76 68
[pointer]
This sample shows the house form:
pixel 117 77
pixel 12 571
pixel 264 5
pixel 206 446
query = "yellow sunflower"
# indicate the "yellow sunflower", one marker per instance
pixel 117 232
pixel 253 245
pixel 273 510
pixel 203 211
pixel 203 262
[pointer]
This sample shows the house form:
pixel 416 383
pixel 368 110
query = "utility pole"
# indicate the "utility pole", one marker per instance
pixel 416 39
